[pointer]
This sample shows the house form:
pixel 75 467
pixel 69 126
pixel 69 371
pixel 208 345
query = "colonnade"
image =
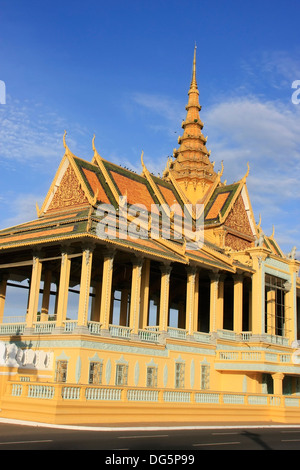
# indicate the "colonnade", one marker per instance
pixel 135 298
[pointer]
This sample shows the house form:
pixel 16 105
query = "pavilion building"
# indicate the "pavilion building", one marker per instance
pixel 104 319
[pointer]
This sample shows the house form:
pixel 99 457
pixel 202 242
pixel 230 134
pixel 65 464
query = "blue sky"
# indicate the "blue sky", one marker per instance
pixel 122 70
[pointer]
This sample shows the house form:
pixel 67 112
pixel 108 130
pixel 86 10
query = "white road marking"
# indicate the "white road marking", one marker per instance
pixel 216 444
pixel 142 437
pixel 24 442
pixel 290 440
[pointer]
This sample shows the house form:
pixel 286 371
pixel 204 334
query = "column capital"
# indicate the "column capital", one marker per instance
pixel 88 246
pixel 166 268
pixel 278 376
pixel 238 277
pixel 86 255
pixel 109 252
pixel 214 276
pixel 37 253
pixel 4 276
pixel 137 261
pixel 66 249
pixel 191 269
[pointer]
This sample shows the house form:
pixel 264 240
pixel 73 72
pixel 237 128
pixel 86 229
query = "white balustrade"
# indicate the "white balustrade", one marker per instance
pixel 95 393
pixel 207 397
pixel 70 393
pixel 174 396
pixel 142 395
pixel 177 333
pixel 41 391
pixel 149 335
pixel 70 325
pixel 120 331
pixel 94 327
pixel 44 327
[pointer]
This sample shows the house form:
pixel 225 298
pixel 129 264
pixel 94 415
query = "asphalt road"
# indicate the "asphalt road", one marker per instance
pixel 154 447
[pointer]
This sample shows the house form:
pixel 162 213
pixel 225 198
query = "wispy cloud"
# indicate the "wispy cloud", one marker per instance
pixel 32 133
pixel 27 133
pixel 271 72
pixel 265 134
pixel 165 108
pixel 21 209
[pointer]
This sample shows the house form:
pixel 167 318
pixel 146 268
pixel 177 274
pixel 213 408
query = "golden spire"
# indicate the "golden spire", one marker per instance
pixel 192 166
pixel 194 81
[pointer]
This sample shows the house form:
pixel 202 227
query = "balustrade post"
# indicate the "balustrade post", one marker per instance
pixel 124 395
pixel 160 396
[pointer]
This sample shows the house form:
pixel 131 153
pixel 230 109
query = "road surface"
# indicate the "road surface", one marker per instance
pixel 162 443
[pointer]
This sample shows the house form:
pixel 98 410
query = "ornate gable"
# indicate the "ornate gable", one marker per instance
pixel 239 234
pixel 68 193
pixel 238 219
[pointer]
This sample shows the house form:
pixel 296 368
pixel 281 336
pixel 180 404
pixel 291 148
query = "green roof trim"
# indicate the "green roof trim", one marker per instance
pixel 231 189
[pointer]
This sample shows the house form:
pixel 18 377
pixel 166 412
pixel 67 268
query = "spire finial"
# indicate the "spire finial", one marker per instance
pixel 194 82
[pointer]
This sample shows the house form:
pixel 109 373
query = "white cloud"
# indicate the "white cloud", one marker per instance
pixel 21 209
pixel 166 112
pixel 265 134
pixel 23 136
pixel 32 133
pixel 260 129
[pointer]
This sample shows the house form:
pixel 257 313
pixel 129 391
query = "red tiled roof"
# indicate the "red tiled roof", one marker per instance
pixel 217 205
pixel 136 192
pixel 96 185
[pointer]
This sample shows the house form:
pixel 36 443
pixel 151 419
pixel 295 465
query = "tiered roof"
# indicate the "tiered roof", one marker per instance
pixel 71 207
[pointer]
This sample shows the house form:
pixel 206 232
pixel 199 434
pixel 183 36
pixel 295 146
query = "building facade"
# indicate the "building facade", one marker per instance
pixel 138 298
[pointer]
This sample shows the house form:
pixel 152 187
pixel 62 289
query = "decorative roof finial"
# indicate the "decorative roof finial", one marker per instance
pixel 273 232
pixel 222 169
pixel 247 173
pixel 259 222
pixel 67 150
pixel 64 140
pixel 94 147
pixel 194 82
